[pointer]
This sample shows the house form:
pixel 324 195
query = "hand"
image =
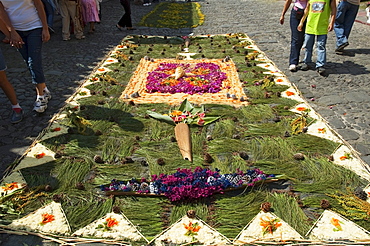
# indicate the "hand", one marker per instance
pixel 330 27
pixel 282 19
pixel 45 35
pixel 300 27
pixel 16 40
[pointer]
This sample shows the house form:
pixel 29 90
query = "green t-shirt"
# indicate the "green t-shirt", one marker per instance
pixel 318 17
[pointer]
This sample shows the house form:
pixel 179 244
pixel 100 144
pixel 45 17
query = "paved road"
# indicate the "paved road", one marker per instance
pixel 342 98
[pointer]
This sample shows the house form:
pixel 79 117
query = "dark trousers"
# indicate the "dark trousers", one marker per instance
pixel 297 38
pixel 125 20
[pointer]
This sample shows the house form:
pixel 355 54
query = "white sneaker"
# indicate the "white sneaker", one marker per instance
pixel 40 105
pixel 47 96
pixel 292 67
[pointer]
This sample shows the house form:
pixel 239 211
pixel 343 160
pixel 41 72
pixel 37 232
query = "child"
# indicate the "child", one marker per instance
pixel 318 13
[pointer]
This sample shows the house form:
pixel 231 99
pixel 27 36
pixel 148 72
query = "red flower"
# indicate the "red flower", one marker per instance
pixel 301 108
pixel 39 156
pixel 111 222
pixel 11 186
pixel 46 218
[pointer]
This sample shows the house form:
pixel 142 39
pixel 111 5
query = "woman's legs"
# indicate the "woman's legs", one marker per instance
pixel 31 53
pixel 297 39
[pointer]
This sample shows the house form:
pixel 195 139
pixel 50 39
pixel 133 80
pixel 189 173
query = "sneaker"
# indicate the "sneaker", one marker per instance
pixel 321 71
pixel 17 115
pixel 47 96
pixel 292 67
pixel 82 37
pixel 341 47
pixel 304 67
pixel 40 105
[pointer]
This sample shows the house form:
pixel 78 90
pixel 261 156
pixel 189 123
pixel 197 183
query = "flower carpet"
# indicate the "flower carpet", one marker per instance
pixel 265 167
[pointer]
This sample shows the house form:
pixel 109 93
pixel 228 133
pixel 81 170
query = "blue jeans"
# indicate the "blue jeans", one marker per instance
pixel 49 11
pixel 31 53
pixel 297 39
pixel 346 15
pixel 309 40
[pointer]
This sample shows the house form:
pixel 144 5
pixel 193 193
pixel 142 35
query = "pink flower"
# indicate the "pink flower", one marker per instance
pixel 200 122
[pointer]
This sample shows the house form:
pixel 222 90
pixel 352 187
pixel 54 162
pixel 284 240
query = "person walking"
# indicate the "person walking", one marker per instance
pixel 346 15
pixel 320 15
pixel 125 20
pixel 90 13
pixel 28 28
pixel 69 12
pixel 297 37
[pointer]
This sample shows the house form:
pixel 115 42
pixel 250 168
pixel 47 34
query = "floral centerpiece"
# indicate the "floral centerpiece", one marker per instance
pixel 187 184
pixel 199 78
pixel 186 115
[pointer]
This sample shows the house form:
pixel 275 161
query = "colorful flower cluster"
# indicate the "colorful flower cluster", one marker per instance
pixel 336 223
pixel 187 117
pixel 187 114
pixel 186 184
pixel 202 78
pixel 269 225
pixel 47 218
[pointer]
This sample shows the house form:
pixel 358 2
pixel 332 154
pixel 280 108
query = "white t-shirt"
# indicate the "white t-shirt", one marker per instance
pixel 22 14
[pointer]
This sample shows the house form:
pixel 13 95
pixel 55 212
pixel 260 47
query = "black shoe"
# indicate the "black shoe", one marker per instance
pixel 341 47
pixel 321 71
pixel 304 67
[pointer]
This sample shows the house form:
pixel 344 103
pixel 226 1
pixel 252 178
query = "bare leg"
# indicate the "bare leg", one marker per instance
pixel 40 89
pixel 92 27
pixel 7 88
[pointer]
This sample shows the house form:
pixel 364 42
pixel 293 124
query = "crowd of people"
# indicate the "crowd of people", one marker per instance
pixel 311 20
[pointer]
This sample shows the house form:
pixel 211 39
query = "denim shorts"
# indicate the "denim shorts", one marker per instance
pixel 2 61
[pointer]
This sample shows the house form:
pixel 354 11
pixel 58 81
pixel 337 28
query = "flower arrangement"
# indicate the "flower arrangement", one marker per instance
pixel 56 129
pixel 108 224
pixel 10 186
pixel 269 225
pixel 336 223
pixel 186 184
pixel 186 113
pixel 47 218
pixel 192 229
pixel 39 156
pixel 200 78
pixel 302 109
pixel 346 156
pixel 321 130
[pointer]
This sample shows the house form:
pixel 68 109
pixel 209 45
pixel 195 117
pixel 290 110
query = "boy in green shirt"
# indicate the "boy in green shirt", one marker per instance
pixel 320 16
